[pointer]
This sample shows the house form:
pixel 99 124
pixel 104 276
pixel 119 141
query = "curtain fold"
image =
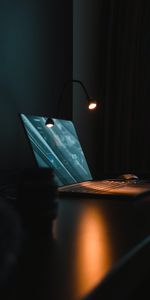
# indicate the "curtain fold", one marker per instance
pixel 126 103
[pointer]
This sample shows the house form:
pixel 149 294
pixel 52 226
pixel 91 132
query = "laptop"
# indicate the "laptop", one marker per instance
pixel 59 148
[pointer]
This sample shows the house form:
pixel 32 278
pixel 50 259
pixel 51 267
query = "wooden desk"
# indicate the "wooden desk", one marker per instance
pixel 91 236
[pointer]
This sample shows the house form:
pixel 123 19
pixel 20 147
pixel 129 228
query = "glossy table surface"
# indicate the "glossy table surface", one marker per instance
pixel 90 237
pixel 78 249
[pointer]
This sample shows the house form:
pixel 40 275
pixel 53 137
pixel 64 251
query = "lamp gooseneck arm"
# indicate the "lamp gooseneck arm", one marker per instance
pixel 65 85
pixel 91 102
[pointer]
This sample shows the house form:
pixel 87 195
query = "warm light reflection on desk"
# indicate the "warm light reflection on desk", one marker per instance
pixel 92 257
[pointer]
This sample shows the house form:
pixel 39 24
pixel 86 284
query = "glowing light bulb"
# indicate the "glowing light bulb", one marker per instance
pixel 92 104
pixel 49 123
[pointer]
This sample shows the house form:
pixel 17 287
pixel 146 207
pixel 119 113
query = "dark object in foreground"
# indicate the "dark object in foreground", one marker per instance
pixel 35 198
pixel 36 204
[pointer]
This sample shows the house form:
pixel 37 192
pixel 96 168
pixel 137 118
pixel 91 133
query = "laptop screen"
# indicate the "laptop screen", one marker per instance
pixel 57 147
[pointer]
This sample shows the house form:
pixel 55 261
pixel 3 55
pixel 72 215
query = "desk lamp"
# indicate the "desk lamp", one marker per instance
pixel 91 103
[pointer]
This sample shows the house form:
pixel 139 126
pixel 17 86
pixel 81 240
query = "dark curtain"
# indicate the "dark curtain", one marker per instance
pixel 125 33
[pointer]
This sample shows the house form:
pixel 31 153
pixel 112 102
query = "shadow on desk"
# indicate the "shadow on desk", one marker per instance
pixel 129 279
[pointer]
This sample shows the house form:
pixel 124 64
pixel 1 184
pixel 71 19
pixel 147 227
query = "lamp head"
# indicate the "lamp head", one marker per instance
pixel 49 123
pixel 92 104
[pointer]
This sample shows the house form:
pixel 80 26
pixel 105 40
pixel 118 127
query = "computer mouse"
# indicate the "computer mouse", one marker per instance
pixel 128 177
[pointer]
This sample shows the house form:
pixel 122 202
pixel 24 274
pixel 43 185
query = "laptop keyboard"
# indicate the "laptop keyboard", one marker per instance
pixel 104 185
pixel 110 187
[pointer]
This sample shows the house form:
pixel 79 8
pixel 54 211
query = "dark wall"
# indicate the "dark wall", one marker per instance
pixel 35 61
pixel 88 66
